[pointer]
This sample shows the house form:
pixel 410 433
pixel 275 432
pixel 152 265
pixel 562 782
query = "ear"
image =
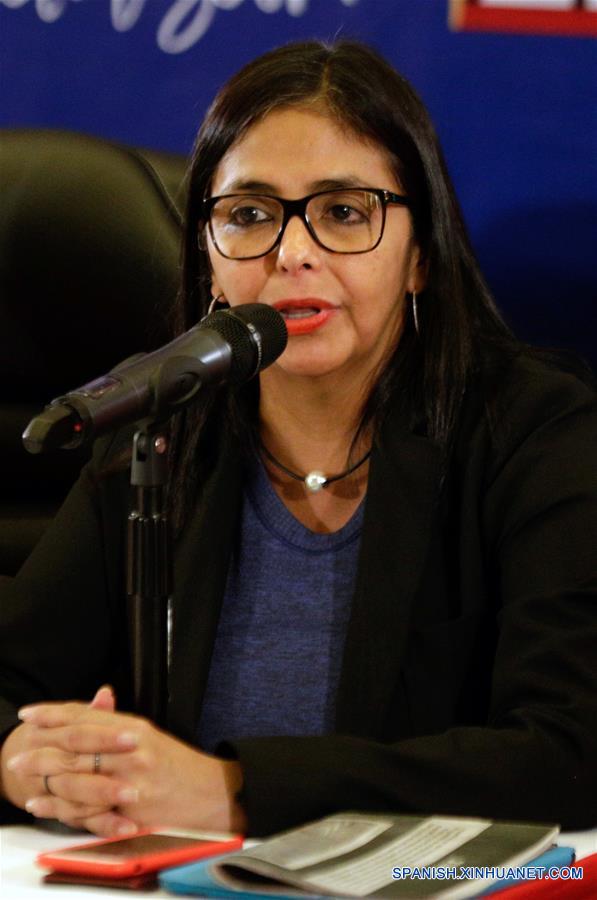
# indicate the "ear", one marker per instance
pixel 418 271
pixel 215 288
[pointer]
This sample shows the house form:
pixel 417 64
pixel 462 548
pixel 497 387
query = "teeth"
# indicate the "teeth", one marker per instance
pixel 299 313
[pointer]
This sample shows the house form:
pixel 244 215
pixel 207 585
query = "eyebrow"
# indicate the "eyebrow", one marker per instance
pixel 264 187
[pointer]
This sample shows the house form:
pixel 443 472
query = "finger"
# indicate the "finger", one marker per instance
pixel 50 806
pixel 96 792
pixel 51 715
pixel 106 824
pixel 87 738
pixel 51 761
pixel 104 699
pixel 48 714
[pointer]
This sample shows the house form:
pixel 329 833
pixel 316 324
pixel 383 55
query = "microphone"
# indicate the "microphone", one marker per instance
pixel 230 346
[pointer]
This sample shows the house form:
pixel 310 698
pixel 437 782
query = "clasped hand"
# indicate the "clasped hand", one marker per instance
pixel 142 778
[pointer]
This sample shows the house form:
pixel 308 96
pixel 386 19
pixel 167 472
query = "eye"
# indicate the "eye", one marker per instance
pixel 248 215
pixel 345 214
pixel 339 208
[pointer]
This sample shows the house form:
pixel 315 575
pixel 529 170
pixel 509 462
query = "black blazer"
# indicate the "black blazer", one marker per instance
pixel 469 678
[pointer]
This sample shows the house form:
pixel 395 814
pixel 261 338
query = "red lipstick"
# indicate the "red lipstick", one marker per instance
pixel 305 314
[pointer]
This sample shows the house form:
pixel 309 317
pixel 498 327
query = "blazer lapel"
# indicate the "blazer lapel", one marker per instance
pixel 401 499
pixel 201 568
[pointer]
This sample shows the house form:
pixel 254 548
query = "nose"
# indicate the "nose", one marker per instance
pixel 297 249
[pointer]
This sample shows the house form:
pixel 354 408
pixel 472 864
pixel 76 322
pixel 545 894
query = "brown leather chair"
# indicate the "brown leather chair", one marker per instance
pixel 89 264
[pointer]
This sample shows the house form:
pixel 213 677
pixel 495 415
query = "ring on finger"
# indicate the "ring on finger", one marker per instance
pixel 97 763
pixel 48 789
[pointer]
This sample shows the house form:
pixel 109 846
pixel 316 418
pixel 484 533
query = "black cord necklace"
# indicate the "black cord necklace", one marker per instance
pixel 314 481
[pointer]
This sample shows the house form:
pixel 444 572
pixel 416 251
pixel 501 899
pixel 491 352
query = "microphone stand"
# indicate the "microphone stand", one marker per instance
pixel 149 573
pixel 155 385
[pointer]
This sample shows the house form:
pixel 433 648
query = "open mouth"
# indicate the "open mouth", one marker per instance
pixel 300 313
pixel 305 314
pixel 301 307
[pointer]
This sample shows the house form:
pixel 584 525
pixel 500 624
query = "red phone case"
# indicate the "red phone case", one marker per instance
pixel 136 863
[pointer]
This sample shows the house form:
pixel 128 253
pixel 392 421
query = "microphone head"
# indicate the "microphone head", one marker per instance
pixel 256 333
pixel 56 426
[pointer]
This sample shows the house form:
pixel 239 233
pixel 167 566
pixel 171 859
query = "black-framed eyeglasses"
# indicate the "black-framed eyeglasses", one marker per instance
pixel 343 220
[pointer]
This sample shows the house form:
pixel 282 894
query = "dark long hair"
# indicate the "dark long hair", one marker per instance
pixel 457 315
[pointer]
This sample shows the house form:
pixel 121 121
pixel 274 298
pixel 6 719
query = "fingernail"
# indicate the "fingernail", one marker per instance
pixel 13 762
pixel 32 806
pixel 127 739
pixel 128 795
pixel 25 713
pixel 105 688
pixel 123 830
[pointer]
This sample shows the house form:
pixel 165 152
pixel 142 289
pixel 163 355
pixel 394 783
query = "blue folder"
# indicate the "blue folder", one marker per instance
pixel 197 879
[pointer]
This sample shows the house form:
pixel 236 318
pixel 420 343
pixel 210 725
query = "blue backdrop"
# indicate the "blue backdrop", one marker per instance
pixel 516 113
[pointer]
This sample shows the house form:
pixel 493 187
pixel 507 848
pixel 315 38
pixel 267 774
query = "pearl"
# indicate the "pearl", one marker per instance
pixel 314 481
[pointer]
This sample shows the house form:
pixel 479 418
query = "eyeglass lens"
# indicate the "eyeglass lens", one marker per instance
pixel 246 225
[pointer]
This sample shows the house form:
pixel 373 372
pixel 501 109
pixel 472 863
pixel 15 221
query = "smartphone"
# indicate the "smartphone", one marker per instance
pixel 148 881
pixel 146 851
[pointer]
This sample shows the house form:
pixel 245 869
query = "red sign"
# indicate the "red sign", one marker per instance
pixel 558 17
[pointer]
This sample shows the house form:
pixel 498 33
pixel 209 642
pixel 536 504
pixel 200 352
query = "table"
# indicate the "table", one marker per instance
pixel 20 878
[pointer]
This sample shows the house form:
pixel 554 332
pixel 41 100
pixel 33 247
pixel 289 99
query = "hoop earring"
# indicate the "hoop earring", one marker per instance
pixel 415 312
pixel 217 301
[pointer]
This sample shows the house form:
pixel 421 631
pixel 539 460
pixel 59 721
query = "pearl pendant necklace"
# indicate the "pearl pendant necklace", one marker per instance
pixel 314 481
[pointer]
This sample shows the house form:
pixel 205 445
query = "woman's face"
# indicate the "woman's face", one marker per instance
pixel 291 153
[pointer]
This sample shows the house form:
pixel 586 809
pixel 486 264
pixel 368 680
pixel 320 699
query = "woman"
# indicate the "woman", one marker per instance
pixel 410 629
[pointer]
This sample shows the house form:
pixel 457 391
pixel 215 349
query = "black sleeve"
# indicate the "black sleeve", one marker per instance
pixel 535 755
pixel 63 624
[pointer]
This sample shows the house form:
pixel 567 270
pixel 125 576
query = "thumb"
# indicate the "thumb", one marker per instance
pixel 104 699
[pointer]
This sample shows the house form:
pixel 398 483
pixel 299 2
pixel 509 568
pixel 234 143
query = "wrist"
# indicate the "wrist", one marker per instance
pixel 233 779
